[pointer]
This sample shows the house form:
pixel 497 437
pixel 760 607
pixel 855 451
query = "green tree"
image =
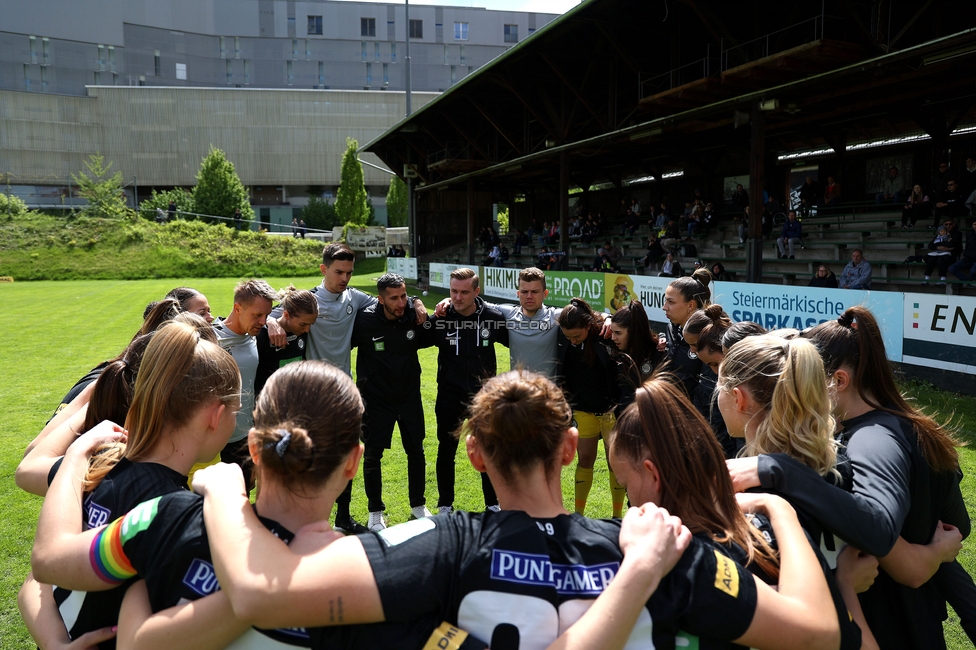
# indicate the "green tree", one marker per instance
pixel 397 210
pixel 320 214
pixel 502 219
pixel 183 199
pixel 351 200
pixel 12 206
pixel 219 190
pixel 103 191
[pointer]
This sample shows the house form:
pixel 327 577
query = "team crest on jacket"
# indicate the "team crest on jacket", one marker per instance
pixel 348 309
pixel 410 335
pixel 485 333
pixel 301 344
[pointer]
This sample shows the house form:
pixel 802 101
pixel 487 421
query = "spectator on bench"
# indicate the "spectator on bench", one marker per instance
pixel 892 188
pixel 809 195
pixel 917 206
pixel 792 231
pixel 824 278
pixel 670 268
pixel 832 192
pixel 654 252
pixel 943 250
pixel 952 204
pixel 965 268
pixel 857 273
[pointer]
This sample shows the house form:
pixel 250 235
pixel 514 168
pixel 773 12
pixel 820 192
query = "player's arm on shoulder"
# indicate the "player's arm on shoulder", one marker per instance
pixel 361 299
pixel 800 614
pixel 62 415
pixel 40 613
pixel 914 564
pixel 652 542
pixel 270 586
pixel 61 548
pixel 33 471
pixel 196 625
pixel 276 333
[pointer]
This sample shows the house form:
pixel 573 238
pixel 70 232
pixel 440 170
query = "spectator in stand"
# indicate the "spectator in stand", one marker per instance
pixel 504 253
pixel 635 207
pixel 493 239
pixel 694 219
pixel 965 268
pixel 944 250
pixel 740 198
pixel 967 178
pixel 589 231
pixel 302 229
pixel 670 268
pixel 601 223
pixel 708 217
pixel 824 278
pixel 671 235
pixel 654 252
pixel 832 192
pixel 629 225
pixel 544 233
pixel 662 217
pixel 546 259
pixel 939 180
pixel 553 237
pixel 614 256
pixel 792 232
pixel 892 188
pixel 918 206
pixel 743 222
pixel 857 273
pixel 575 227
pixel 952 204
pixel 810 195
pixel 719 272
pixel 494 257
pixel 520 240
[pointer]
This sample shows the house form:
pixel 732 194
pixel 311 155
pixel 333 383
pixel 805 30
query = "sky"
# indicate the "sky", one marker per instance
pixel 540 6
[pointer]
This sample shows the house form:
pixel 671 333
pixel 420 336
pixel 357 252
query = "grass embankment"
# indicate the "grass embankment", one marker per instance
pixel 92 320
pixel 37 246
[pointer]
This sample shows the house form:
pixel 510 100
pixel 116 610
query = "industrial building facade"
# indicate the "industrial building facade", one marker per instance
pixel 278 85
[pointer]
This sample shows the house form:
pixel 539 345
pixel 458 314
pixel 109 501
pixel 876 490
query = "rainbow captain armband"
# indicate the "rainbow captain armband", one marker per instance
pixel 106 555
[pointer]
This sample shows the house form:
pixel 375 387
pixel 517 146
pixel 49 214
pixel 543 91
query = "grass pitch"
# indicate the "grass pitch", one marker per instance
pixel 54 332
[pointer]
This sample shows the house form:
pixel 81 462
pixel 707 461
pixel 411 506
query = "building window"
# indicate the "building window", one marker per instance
pixel 511 33
pixel 223 47
pixel 101 55
pixel 43 78
pixel 445 55
pixel 391 29
pixel 393 52
pixel 294 48
pixel 321 73
pixel 315 25
pixel 460 31
pixel 367 27
pixel 386 74
pixel 369 75
pixel 237 47
pixel 453 74
pixel 291 76
pixel 180 71
pixel 46 45
pixel 142 78
pixel 308 50
pixel 416 29
pixel 247 72
pixel 364 50
pixel 229 71
pixel 439 32
pixel 111 57
pixel 461 51
pixel 157 64
pixel 531 30
pixel 27 77
pixel 33 48
pixel 376 50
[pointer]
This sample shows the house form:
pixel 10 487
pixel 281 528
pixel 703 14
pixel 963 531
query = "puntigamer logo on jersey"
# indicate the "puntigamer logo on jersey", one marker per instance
pixel 572 579
pixel 201 577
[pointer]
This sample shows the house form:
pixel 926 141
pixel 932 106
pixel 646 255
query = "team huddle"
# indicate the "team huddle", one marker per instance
pixel 784 493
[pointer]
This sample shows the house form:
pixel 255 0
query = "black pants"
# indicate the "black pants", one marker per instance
pixel 942 262
pixel 378 421
pixel 450 409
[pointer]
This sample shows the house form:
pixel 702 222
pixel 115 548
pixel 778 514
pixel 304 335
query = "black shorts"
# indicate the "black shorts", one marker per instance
pixel 379 418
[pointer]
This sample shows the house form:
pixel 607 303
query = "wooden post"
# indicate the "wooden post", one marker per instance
pixel 757 163
pixel 471 233
pixel 564 203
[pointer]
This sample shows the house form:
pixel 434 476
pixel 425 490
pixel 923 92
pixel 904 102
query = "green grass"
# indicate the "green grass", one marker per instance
pixel 54 332
pixel 37 246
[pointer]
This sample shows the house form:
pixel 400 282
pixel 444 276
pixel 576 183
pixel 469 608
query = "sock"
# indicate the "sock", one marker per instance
pixel 584 481
pixel 617 495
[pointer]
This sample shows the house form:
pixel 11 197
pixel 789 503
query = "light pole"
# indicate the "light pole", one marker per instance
pixel 411 211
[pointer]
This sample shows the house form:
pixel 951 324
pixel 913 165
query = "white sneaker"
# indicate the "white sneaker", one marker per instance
pixel 495 508
pixel 445 510
pixel 419 512
pixel 377 521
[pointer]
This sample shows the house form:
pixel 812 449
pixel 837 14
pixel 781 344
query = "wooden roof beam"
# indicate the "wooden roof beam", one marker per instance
pixel 496 127
pixel 572 87
pixel 464 135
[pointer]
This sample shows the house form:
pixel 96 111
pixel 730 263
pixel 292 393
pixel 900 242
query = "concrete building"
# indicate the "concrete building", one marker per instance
pixel 191 73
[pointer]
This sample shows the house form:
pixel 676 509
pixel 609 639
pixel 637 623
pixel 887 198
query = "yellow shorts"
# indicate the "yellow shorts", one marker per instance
pixel 594 425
